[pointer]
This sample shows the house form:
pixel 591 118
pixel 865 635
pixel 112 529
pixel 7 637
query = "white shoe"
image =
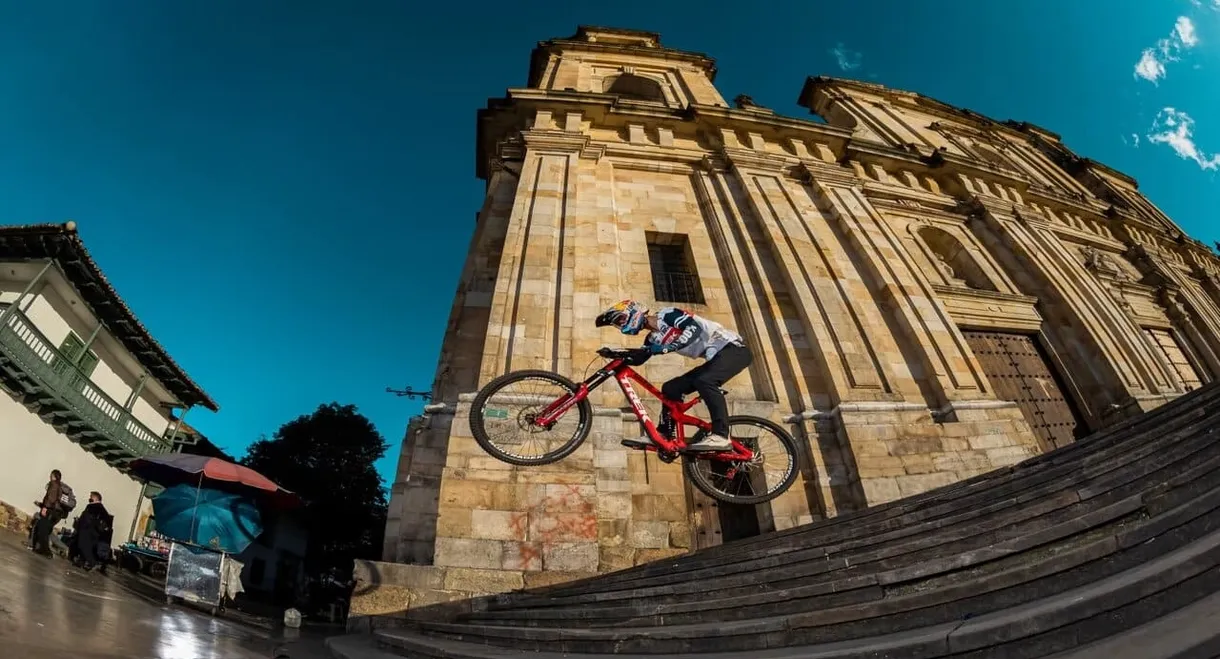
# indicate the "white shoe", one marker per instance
pixel 711 443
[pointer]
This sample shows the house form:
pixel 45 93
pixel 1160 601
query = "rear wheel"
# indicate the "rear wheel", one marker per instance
pixel 502 418
pixel 769 474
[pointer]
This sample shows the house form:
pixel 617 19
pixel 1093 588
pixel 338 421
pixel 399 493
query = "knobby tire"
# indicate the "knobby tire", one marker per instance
pixel 477 428
pixel 700 480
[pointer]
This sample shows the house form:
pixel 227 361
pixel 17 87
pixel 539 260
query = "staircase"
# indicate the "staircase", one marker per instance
pixel 1109 547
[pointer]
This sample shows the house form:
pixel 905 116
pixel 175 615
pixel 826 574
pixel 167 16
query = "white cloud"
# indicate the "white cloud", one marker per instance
pixel 1184 31
pixel 1151 65
pixel 847 59
pixel 1176 129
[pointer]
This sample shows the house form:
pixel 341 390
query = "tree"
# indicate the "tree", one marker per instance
pixel 327 458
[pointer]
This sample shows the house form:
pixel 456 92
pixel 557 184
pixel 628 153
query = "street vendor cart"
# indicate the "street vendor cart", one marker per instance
pixel 195 575
pixel 209 511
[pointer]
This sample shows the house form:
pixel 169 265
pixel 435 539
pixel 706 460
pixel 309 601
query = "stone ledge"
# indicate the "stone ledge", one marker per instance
pixel 12 519
pixel 387 595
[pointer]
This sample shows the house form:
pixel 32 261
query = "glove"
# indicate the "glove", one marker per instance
pixel 637 356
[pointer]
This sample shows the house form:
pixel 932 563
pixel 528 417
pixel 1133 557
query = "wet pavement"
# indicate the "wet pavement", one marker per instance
pixel 52 610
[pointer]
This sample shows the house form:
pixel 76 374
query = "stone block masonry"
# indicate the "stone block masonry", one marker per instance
pixel 929 295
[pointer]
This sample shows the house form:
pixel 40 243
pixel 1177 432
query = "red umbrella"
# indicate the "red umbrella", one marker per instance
pixel 200 470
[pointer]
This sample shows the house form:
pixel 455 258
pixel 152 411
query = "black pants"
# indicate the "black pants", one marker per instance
pixel 42 531
pixel 706 379
pixel 86 545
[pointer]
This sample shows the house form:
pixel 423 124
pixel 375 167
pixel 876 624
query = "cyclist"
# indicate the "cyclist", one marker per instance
pixel 676 330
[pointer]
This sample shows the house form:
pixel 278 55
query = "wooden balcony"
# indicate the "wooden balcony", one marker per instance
pixel 53 387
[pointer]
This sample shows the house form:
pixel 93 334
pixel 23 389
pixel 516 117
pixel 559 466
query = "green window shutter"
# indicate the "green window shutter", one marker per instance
pixel 72 352
pixel 69 350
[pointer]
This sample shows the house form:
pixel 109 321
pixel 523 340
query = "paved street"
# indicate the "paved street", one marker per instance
pixel 48 609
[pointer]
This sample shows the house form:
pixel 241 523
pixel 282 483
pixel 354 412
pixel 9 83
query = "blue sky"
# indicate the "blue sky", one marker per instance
pixel 284 191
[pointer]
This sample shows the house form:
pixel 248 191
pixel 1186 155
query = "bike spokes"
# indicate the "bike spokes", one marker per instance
pixel 769 469
pixel 510 416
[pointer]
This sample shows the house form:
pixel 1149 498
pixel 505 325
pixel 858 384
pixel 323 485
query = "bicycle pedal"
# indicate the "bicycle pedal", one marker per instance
pixel 637 444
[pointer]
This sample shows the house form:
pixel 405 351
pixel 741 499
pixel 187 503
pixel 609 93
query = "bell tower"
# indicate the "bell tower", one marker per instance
pixel 630 64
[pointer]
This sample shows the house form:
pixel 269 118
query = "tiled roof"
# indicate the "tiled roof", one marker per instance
pixel 61 243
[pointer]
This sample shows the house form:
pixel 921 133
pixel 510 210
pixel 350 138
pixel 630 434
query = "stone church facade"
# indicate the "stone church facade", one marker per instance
pixel 930 294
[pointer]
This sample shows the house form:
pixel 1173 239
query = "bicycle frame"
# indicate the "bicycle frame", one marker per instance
pixel 625 375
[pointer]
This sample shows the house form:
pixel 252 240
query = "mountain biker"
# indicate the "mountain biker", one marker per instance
pixel 676 330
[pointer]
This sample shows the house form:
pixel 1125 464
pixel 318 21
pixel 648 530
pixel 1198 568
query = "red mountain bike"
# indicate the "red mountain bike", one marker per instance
pixel 761 465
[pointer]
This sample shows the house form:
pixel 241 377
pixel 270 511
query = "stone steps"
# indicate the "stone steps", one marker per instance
pixel 1037 628
pixel 743 569
pixel 883 602
pixel 1184 634
pixel 1117 536
pixel 903 516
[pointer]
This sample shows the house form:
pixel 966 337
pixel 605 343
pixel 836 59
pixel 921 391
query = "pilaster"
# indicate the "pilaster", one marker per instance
pixel 531 317
pixel 949 368
pixel 835 307
pixel 1112 365
pixel 1186 303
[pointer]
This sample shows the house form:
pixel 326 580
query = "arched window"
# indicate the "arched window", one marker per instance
pixel 953 261
pixel 629 85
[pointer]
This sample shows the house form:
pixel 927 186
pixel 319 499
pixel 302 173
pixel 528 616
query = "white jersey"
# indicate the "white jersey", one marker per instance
pixel 689 335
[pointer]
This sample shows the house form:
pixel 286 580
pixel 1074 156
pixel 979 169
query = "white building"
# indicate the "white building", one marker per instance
pixel 84 388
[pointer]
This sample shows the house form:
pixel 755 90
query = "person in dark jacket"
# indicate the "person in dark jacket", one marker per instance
pixel 94 529
pixel 49 514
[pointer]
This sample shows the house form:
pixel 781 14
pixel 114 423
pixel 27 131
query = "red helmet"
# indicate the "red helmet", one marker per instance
pixel 627 315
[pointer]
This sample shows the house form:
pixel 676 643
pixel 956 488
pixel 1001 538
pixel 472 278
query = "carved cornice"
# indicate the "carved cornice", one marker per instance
pixel 653 152
pixel 719 116
pixel 893 205
pixel 903 197
pixel 951 162
pixel 816 170
pixel 1000 208
pixel 871 151
pixel 749 159
pixel 1087 238
pixel 558 141
pixel 984 295
pixel 714 163
pixel 1075 201
pixel 511 148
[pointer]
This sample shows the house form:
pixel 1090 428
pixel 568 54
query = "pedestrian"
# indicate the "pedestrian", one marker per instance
pixel 94 528
pixel 51 511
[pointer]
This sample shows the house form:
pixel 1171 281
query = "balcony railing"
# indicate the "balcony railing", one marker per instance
pixel 58 376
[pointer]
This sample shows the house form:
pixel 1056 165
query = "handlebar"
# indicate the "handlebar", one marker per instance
pixel 614 353
pixel 633 356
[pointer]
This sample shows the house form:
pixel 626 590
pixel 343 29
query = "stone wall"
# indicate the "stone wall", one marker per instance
pixel 853 256
pixel 12 519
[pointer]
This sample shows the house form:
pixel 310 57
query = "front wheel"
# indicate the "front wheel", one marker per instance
pixel 502 418
pixel 769 474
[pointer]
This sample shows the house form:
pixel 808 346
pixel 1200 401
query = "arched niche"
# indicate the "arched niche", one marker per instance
pixel 635 87
pixel 953 260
